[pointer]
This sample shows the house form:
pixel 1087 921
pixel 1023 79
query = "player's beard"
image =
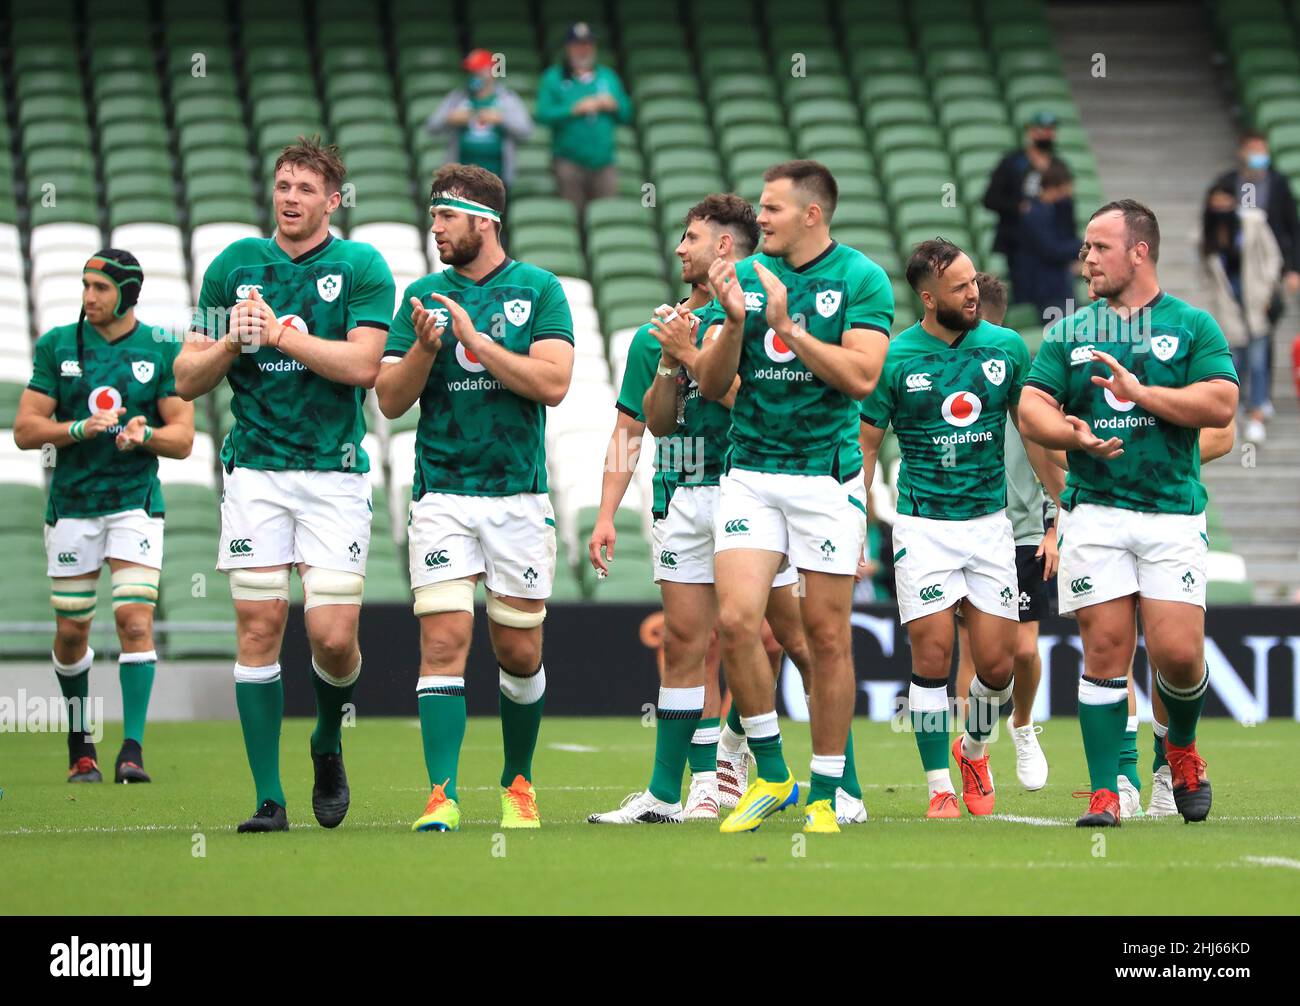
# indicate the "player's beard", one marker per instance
pixel 955 321
pixel 1108 287
pixel 463 252
pixel 694 273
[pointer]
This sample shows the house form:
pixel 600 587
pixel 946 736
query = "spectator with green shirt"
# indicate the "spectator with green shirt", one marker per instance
pixel 483 120
pixel 583 101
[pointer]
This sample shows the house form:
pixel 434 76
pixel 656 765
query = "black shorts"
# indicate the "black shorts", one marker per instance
pixel 1036 594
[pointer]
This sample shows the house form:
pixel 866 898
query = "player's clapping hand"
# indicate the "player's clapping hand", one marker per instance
pixel 461 325
pixel 1086 440
pixel 1122 384
pixel 778 307
pixel 132 434
pixel 602 536
pixel 271 327
pixel 674 330
pixel 726 289
pixel 428 332
pixel 100 421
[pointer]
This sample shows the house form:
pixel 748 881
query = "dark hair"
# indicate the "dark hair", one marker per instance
pixel 930 258
pixel 472 182
pixel 1251 136
pixel 993 294
pixel 1058 173
pixel 813 177
pixel 311 153
pixel 1209 242
pixel 1139 221
pixel 731 212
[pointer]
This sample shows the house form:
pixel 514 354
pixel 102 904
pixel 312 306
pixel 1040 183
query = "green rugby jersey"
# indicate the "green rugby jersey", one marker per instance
pixel 93 477
pixel 948 404
pixel 1168 344
pixel 476 437
pixel 693 454
pixel 288 418
pixel 786 419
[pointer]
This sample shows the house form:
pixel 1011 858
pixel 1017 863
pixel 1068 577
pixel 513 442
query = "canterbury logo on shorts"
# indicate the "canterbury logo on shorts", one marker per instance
pixel 438 558
pixel 241 546
pixel 67 558
pixel 1081 586
pixel 931 593
pixel 740 526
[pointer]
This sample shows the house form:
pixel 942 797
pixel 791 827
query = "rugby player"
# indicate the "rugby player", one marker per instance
pixel 484 347
pixel 103 394
pixel 805 324
pixel 296 324
pixel 1134 536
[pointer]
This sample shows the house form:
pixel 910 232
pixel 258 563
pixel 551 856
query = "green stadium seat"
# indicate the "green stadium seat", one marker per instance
pixel 138 211
pixel 964 86
pixel 38 134
pixel 224 210
pixel 137 185
pixel 943 61
pixel 132 134
pixel 66 210
pixel 603 213
pixel 892 139
pixel 979 136
pixel 197 108
pixel 55 158
pixel 46 82
pixel 1017 62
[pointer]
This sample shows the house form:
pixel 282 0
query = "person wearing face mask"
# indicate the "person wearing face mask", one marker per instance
pixel 583 101
pixel 1048 244
pixel 1241 267
pixel 483 120
pixel 1256 183
pixel 1015 183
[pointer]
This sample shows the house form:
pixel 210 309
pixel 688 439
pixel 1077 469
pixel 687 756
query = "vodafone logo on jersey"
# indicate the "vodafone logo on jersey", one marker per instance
pixel 962 408
pixel 776 348
pixel 1116 403
pixel 295 322
pixel 104 398
pixel 468 360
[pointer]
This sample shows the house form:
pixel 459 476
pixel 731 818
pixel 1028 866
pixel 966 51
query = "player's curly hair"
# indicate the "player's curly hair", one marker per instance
pixel 312 153
pixel 993 297
pixel 726 209
pixel 930 259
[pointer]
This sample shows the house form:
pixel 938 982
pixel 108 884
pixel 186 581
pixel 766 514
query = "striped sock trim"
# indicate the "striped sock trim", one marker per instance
pixel 761 727
pixel 257 675
pixel 1102 691
pixel 143 657
pixel 351 679
pixel 680 700
pixel 1187 694
pixel 706 736
pixel 1161 730
pixel 830 766
pixel 78 668
pixel 440 685
pixel 981 688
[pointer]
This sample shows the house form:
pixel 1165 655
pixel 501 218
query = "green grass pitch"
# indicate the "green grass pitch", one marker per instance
pixel 73 850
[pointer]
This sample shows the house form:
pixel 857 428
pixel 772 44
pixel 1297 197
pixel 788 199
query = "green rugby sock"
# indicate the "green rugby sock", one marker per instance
pixel 1158 760
pixel 1103 713
pixel 332 695
pixel 441 701
pixel 733 719
pixel 74 683
pixel 927 701
pixel 1184 706
pixel 703 755
pixel 522 699
pixel 136 672
pixel 1128 754
pixel 676 717
pixel 765 745
pixel 850 782
pixel 259 694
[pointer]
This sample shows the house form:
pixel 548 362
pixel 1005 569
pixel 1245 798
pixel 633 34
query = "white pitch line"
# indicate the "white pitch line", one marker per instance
pixel 1289 864
pixel 575 748
pixel 1041 822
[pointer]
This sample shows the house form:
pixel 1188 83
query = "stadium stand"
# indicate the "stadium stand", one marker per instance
pixel 161 138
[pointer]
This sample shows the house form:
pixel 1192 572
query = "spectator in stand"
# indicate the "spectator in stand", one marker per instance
pixel 483 120
pixel 1015 181
pixel 1241 265
pixel 583 101
pixel 1048 243
pixel 1258 185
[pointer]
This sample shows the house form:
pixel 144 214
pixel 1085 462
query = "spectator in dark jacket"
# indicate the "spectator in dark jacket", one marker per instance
pixel 1015 181
pixel 1260 186
pixel 1048 244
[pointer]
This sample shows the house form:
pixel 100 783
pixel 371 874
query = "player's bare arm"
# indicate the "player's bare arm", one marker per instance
pixel 869 439
pixel 203 361
pixel 354 362
pixel 401 381
pixel 620 462
pixel 852 367
pixel 1216 441
pixel 35 425
pixel 1041 461
pixel 718 361
pixel 541 375
pixel 1044 422
pixel 173 439
pixel 659 406
pixel 1210 403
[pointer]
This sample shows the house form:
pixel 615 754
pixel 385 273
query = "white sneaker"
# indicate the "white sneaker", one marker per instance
pixel 1255 431
pixel 1130 800
pixel 1162 794
pixel 702 800
pixel 733 775
pixel 1031 763
pixel 641 808
pixel 849 809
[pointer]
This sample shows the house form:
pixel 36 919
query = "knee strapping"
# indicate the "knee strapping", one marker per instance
pixel 74 599
pixel 249 585
pixel 449 595
pixel 504 614
pixel 331 586
pixel 135 585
